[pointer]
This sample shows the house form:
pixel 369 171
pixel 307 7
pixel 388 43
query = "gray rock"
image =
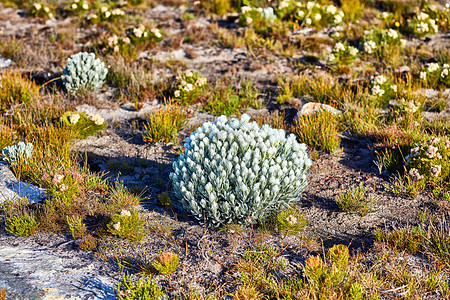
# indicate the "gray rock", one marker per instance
pixel 11 189
pixel 4 62
pixel 33 272
pixel 310 108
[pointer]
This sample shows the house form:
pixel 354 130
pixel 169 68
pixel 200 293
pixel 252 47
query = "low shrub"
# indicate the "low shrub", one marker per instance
pixel 190 86
pixel 291 221
pixel 83 124
pixel 127 290
pixel 355 199
pixel 166 263
pixel 164 124
pixel 24 225
pixel 318 130
pixel 17 154
pixel 238 172
pixel 84 72
pixel 127 225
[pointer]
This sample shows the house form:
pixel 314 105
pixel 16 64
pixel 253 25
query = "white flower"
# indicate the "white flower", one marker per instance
pixel 117 226
pixel 126 40
pixel 283 4
pixel 74 118
pixel 423 75
pixel 422 27
pixel 137 32
pixel 392 34
pixel 177 93
pixel 444 73
pixel 188 87
pixel 97 119
pixel 245 9
pixel 301 13
pixel 308 21
pixel 377 91
pixel 415 175
pixel 380 79
pixel 432 67
pixel 422 16
pixel 46 9
pixel 385 15
pixel 317 17
pixel 37 6
pixel 104 9
pixel 259 9
pixel 309 5
pixel 403 42
pixel 248 20
pixel 331 57
pixel 156 32
pixel 436 170
pixel 369 47
pixel 188 73
pixel 125 213
pixel 411 107
pixel 85 6
pixel 58 178
pixel 74 6
pixel 200 82
pixel 337 19
pixel 339 47
pixel 63 187
pixel 107 14
pixel 291 220
pixel 394 88
pixel 331 9
pixel 353 51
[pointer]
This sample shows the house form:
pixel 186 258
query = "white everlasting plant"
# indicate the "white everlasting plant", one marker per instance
pixel 84 71
pixel 236 171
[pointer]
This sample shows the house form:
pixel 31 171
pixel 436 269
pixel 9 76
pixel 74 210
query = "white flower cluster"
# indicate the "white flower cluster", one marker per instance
pixel 423 24
pixel 189 82
pixel 436 72
pixel 96 118
pixel 381 40
pixel 73 119
pixel 42 9
pixel 106 12
pixel 84 71
pixel 79 5
pixel 264 13
pixel 380 86
pixel 313 12
pixel 342 51
pixel 14 154
pixel 236 171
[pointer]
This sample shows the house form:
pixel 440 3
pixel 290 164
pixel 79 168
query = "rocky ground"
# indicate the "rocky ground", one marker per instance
pixel 51 266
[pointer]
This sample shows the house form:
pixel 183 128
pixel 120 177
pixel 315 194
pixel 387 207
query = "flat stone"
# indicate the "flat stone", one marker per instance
pixel 11 189
pixel 4 62
pixel 30 272
pixel 313 107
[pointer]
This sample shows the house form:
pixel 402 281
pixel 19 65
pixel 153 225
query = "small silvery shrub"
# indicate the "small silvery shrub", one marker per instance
pixel 17 153
pixel 238 172
pixel 84 72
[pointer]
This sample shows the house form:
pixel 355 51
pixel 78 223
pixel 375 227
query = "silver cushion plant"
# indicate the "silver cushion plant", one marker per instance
pixel 14 154
pixel 84 72
pixel 238 172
